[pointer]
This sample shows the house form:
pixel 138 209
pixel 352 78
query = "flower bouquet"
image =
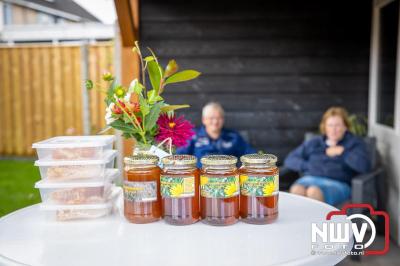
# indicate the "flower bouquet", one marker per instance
pixel 141 112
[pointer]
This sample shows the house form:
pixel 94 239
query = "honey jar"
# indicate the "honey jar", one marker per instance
pixel 142 200
pixel 180 190
pixel 259 188
pixel 219 190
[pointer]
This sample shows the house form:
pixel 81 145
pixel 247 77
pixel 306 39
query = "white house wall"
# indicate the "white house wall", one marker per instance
pixel 65 32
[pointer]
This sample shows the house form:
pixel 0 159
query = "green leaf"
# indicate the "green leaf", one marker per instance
pixel 126 118
pixel 110 93
pixel 120 125
pixel 184 75
pixel 168 108
pixel 155 75
pixel 152 132
pixel 126 135
pixel 171 68
pixel 152 118
pixel 149 59
pixel 138 88
pixel 144 106
pixel 89 84
pixel 153 97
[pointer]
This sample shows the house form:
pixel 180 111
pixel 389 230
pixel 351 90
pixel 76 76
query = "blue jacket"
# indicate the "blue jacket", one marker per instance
pixel 310 159
pixel 229 142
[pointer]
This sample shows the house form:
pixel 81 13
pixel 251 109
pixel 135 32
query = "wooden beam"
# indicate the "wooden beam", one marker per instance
pixel 129 70
pixel 128 20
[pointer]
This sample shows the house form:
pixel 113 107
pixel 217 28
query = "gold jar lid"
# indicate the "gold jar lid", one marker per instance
pixel 141 159
pixel 256 158
pixel 218 160
pixel 180 160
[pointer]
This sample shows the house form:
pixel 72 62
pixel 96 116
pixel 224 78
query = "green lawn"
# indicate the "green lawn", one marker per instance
pixel 17 180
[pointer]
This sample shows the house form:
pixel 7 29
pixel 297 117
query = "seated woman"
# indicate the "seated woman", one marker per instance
pixel 329 162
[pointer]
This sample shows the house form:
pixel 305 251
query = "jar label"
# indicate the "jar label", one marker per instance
pixel 259 186
pixel 177 187
pixel 219 187
pixel 140 191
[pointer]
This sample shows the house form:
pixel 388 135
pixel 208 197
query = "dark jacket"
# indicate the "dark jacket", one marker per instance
pixel 310 159
pixel 229 142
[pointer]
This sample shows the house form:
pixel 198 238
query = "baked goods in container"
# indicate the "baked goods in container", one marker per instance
pixel 80 195
pixel 65 215
pixel 76 170
pixel 68 172
pixel 75 153
pixel 57 212
pixel 75 193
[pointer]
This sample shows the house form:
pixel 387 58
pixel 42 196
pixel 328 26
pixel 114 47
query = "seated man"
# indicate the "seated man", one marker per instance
pixel 212 138
pixel 330 161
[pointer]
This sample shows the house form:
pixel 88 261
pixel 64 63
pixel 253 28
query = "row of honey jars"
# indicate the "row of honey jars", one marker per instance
pixel 173 192
pixel 151 193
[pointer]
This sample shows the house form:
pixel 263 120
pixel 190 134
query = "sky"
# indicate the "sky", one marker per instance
pixel 102 9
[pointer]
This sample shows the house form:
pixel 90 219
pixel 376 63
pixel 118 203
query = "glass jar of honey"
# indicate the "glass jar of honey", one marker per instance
pixel 180 190
pixel 142 201
pixel 259 188
pixel 219 190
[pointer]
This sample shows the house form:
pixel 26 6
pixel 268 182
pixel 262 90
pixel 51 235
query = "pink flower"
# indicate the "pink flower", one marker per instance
pixel 176 128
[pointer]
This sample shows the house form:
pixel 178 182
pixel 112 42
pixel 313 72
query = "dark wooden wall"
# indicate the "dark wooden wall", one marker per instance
pixel 275 66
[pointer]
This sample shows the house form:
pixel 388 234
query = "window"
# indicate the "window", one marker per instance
pixel 7 14
pixel 387 58
pixel 60 20
pixel 44 18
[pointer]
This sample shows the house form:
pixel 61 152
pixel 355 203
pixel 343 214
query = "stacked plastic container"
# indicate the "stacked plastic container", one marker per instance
pixel 77 176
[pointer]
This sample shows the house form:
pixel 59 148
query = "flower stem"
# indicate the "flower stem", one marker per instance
pixel 143 137
pixel 97 87
pixel 135 123
pixel 142 67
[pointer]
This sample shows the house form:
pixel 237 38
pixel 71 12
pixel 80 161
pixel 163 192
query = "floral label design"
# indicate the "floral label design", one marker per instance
pixel 177 187
pixel 219 187
pixel 140 191
pixel 259 186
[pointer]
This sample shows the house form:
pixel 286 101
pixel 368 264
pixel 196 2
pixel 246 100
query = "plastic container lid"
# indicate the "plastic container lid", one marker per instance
pixel 110 176
pixel 108 156
pixel 75 142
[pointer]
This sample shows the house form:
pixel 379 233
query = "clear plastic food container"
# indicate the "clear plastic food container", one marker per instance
pixel 81 212
pixel 76 170
pixel 71 193
pixel 74 147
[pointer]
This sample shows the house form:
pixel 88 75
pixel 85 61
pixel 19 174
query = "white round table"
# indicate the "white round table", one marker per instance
pixel 26 237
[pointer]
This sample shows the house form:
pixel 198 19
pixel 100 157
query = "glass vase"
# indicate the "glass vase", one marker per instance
pixel 141 149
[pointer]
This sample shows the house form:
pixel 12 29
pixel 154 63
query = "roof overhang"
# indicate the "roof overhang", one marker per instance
pixel 44 9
